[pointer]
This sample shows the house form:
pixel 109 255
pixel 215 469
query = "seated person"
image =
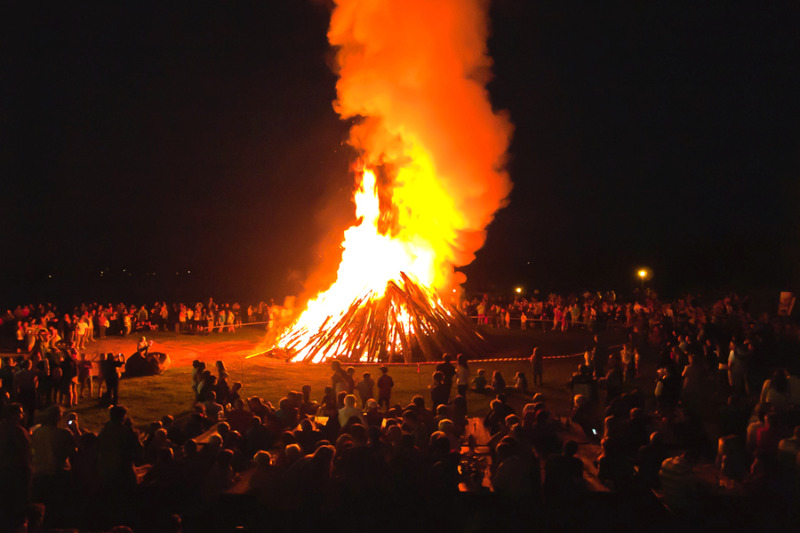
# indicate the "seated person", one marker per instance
pixel 479 384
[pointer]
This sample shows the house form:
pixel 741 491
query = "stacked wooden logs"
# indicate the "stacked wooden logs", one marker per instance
pixel 408 322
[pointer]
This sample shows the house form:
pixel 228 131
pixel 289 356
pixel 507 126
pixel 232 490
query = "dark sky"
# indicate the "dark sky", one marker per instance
pixel 163 140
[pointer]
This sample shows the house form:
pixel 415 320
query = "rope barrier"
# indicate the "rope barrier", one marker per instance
pixel 419 363
pixel 492 360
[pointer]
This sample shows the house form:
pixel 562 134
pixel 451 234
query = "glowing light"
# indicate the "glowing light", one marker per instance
pixel 412 77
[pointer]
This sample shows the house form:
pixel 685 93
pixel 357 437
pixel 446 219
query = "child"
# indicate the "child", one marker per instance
pixel 521 382
pixel 479 383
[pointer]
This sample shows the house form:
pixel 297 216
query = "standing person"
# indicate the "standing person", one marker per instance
pixel 537 366
pixel 90 320
pixel 230 320
pixel 81 329
pixel 350 380
pixel 53 450
pixel 462 375
pixel 222 372
pixel 523 321
pixel 84 375
pixel 737 370
pixel 15 469
pixel 628 364
pixel 599 357
pixel 111 376
pixel 482 313
pixel 7 372
pixel 558 315
pixel 21 344
pixel 163 313
pixel 338 382
pixel 448 371
pixel 366 388
pixel 385 384
pixel 117 449
pixel 69 375
pixel 127 324
pixel 271 311
pixel 103 323
pixel 180 325
pixel 25 383
pixel 575 315
pixel 209 321
pixel 440 393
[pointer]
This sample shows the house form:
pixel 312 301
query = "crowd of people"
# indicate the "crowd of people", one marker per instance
pixel 588 311
pixel 31 326
pixel 708 439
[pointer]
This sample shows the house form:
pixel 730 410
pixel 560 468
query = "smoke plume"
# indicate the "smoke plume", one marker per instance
pixel 413 74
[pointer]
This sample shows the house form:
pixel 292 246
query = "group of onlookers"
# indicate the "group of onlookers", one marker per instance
pixel 696 418
pixel 588 312
pixel 85 323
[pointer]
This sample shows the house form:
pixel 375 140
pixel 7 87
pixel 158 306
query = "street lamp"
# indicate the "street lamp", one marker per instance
pixel 643 274
pixel 518 290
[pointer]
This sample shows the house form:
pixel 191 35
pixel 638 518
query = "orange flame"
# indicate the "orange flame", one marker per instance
pixel 413 74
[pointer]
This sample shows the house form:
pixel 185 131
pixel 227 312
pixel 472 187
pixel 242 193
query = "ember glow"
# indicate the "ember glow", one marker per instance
pixel 412 74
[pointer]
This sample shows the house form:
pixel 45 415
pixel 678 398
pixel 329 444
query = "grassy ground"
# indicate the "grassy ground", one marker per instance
pixel 149 398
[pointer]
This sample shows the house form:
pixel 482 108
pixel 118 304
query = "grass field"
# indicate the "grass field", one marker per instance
pixel 150 398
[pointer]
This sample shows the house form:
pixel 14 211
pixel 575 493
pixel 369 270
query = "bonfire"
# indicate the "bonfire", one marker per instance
pixel 408 321
pixel 429 179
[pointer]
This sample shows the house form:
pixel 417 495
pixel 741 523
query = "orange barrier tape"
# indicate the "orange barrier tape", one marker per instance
pixel 494 360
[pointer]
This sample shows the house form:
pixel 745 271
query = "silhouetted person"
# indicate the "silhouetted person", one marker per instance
pixel 448 371
pixel 118 448
pixel 109 368
pixel 15 469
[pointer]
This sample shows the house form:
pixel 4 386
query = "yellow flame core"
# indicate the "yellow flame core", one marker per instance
pixel 412 77
pixel 370 260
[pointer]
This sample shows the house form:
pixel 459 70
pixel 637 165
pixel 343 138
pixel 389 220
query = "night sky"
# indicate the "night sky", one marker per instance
pixel 148 142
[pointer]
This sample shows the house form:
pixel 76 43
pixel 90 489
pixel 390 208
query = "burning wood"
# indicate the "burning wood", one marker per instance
pixel 407 321
pixel 430 176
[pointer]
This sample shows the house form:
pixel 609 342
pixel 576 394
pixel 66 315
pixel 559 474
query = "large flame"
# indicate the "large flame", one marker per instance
pixel 413 73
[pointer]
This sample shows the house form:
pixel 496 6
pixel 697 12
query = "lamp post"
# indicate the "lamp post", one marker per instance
pixel 643 274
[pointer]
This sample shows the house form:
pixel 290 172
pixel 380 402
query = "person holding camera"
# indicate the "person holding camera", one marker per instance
pixel 110 369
